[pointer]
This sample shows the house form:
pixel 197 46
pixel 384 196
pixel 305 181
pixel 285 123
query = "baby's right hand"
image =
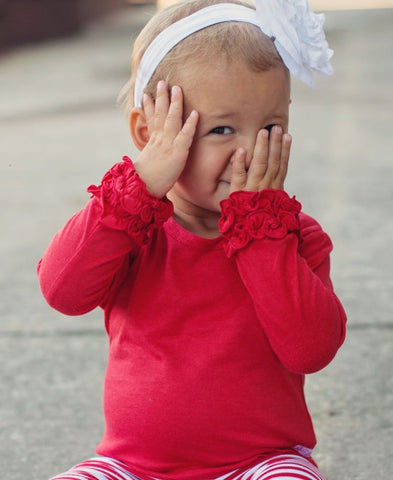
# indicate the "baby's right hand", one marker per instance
pixel 164 157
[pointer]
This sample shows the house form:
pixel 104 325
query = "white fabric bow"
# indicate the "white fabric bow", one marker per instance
pixel 298 36
pixel 297 31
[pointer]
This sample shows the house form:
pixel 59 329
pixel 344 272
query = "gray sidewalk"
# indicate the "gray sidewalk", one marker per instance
pixel 60 131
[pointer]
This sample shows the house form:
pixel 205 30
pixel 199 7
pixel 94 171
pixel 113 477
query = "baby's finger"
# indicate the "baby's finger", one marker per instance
pixel 161 105
pixel 239 172
pixel 259 163
pixel 285 153
pixel 174 119
pixel 275 148
pixel 185 137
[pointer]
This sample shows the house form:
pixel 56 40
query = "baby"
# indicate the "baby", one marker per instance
pixel 214 284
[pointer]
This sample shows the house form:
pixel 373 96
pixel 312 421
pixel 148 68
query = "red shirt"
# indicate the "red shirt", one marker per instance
pixel 209 338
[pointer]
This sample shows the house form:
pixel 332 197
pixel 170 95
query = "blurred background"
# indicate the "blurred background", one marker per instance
pixel 62 64
pixel 23 21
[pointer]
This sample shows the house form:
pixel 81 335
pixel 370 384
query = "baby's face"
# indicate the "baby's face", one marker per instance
pixel 234 103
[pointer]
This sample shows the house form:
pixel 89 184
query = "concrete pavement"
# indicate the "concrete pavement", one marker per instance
pixel 60 131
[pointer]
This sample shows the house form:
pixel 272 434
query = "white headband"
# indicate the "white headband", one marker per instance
pixel 297 33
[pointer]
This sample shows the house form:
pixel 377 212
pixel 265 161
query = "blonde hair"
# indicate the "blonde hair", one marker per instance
pixel 232 40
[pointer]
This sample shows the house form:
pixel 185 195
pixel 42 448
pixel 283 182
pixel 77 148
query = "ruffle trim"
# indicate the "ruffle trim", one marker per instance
pixel 255 215
pixel 128 205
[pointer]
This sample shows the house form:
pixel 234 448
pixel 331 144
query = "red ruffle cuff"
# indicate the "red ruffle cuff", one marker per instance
pixel 255 215
pixel 128 205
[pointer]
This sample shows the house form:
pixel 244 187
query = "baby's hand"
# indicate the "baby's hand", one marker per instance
pixel 164 157
pixel 269 164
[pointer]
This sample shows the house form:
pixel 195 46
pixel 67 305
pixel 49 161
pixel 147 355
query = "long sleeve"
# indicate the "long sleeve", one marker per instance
pixel 282 257
pixel 90 255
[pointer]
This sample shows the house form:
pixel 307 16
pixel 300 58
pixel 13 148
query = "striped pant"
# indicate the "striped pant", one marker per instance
pixel 281 467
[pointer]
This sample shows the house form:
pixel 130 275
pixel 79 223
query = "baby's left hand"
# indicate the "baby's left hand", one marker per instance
pixel 269 163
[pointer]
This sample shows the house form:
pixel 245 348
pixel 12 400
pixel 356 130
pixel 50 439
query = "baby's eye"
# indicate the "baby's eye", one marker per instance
pixel 222 131
pixel 269 127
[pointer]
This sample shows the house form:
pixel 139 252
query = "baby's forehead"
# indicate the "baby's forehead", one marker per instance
pixel 234 89
pixel 224 74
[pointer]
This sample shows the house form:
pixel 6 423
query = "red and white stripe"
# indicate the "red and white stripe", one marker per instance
pixel 100 468
pixel 282 467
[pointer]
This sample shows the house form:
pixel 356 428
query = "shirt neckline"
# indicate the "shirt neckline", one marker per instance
pixel 179 233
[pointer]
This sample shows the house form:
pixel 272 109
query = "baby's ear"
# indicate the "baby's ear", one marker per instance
pixel 138 128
